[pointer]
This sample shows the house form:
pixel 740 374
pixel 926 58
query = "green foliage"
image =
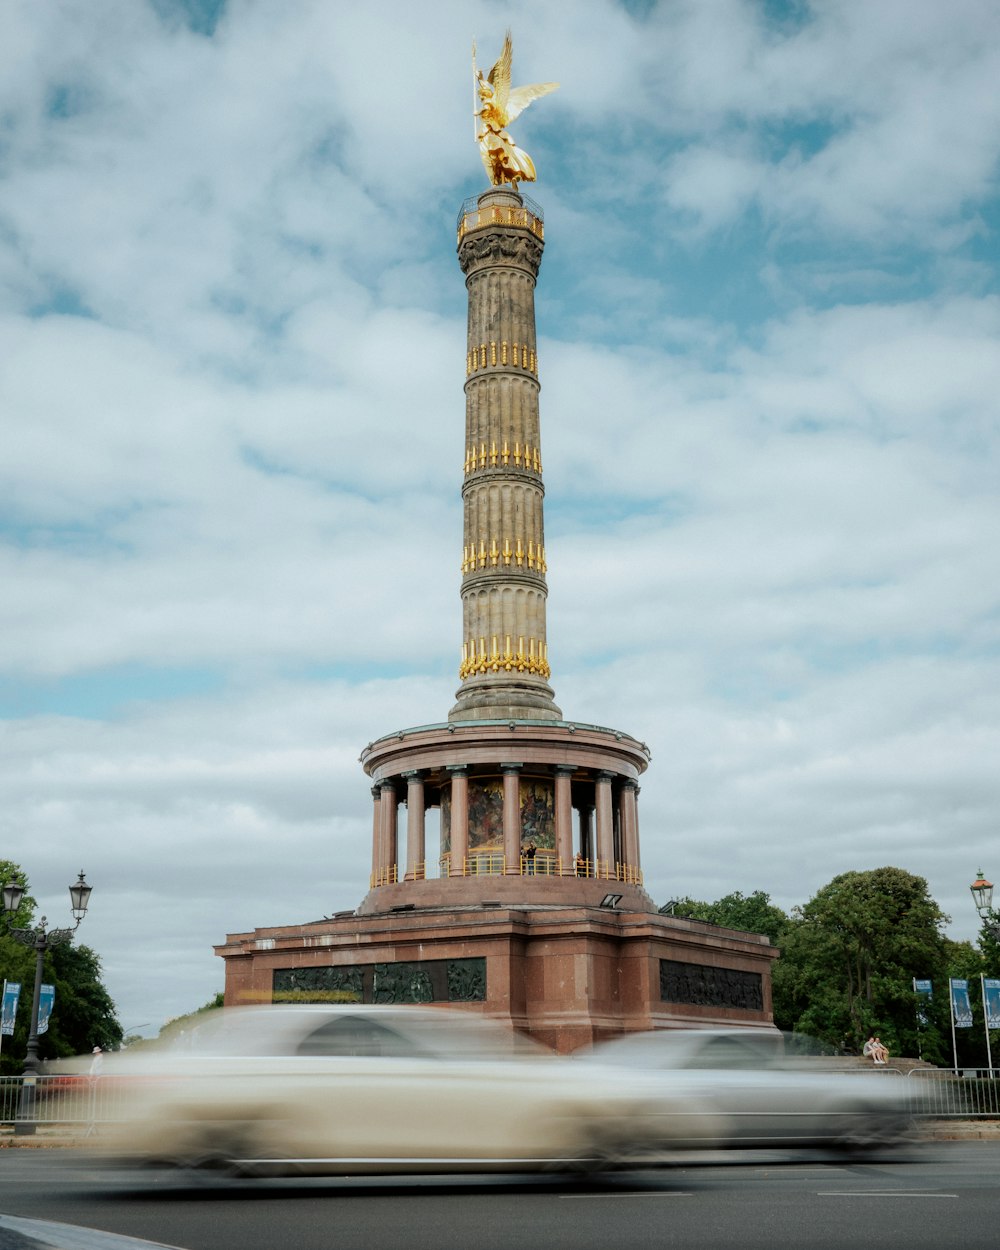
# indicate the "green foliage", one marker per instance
pixel 849 959
pixel 83 1016
pixel 180 1024
pixel 990 948
pixel 750 913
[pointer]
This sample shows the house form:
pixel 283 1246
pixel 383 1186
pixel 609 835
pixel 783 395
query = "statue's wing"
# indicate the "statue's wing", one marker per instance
pixel 499 76
pixel 519 99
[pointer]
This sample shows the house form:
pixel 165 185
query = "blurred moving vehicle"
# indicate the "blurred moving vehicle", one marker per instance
pixel 772 1090
pixel 366 1089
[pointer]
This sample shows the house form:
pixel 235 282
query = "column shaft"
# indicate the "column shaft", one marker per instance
pixel 388 805
pixel 459 822
pixel 605 823
pixel 630 825
pixel 376 833
pixel 564 819
pixel 416 868
pixel 512 817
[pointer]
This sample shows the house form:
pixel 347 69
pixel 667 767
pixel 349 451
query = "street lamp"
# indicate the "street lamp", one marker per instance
pixel 39 940
pixel 982 894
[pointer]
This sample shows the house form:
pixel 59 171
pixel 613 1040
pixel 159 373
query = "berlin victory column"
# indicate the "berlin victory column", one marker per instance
pixel 532 910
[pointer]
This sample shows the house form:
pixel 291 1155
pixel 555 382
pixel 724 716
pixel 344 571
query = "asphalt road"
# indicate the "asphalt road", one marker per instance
pixel 946 1195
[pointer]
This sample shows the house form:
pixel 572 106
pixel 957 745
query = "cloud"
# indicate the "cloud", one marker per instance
pixel 230 529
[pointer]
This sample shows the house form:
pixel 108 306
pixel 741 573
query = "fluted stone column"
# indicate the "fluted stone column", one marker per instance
pixel 605 821
pixel 459 821
pixel 376 832
pixel 388 827
pixel 564 816
pixel 505 667
pixel 512 817
pixel 630 824
pixel 415 827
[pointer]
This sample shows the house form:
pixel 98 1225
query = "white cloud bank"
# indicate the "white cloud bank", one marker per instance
pixel 232 336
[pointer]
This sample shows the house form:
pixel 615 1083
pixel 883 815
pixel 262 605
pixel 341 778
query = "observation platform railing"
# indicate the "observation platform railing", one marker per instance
pixel 493 863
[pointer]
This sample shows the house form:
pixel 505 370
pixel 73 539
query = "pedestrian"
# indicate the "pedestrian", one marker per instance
pixel 97 1061
pixel 530 852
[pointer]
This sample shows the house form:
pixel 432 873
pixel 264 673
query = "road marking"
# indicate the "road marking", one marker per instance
pixel 76 1236
pixel 641 1193
pixel 877 1193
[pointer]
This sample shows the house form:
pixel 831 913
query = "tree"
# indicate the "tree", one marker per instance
pixel 179 1025
pixel 750 913
pixel 850 956
pixel 84 1014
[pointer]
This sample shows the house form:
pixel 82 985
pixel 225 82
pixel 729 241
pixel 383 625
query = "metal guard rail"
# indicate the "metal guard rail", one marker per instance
pixel 89 1101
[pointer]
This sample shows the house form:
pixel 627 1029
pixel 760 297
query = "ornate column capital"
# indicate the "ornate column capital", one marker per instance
pixel 487 248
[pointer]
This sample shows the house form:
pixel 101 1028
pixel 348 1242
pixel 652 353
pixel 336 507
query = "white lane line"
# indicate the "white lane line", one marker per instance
pixel 642 1193
pixel 877 1193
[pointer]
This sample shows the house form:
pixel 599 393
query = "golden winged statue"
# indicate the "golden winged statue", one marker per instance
pixel 498 107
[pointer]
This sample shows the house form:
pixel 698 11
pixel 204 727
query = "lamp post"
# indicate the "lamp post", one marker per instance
pixel 982 894
pixel 40 940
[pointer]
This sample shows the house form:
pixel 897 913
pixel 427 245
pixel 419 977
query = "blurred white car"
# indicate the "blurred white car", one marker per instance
pixel 358 1089
pixel 772 1090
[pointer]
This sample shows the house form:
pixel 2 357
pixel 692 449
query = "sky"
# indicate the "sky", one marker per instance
pixel 232 351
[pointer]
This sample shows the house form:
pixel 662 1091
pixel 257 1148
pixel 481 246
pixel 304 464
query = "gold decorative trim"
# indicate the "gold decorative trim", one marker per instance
pixel 503 457
pixel 498 215
pixel 477 662
pixel 496 556
pixel 492 354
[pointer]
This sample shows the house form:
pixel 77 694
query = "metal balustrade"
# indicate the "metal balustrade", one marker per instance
pixel 973 1093
pixel 86 1102
pixel 82 1100
pixel 494 864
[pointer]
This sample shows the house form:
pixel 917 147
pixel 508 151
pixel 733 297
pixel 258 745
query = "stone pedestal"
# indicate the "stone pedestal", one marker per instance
pixel 566 975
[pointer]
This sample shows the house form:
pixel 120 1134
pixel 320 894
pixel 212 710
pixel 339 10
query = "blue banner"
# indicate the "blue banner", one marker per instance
pixel 11 993
pixel 926 990
pixel 991 1003
pixel 48 997
pixel 961 1007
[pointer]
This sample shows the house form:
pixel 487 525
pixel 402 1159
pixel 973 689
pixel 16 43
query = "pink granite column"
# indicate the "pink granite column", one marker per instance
pixel 415 840
pixel 388 805
pixel 564 818
pixel 459 821
pixel 630 827
pixel 376 834
pixel 512 818
pixel 605 855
